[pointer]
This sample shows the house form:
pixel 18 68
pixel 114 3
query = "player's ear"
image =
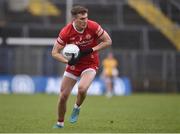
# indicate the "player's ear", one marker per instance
pixel 73 17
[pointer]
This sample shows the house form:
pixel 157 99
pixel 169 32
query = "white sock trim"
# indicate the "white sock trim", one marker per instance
pixel 60 123
pixel 76 106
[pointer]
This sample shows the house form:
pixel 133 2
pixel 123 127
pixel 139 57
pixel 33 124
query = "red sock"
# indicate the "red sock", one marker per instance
pixel 60 120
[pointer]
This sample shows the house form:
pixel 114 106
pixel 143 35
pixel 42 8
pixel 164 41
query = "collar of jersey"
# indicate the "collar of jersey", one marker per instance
pixel 76 29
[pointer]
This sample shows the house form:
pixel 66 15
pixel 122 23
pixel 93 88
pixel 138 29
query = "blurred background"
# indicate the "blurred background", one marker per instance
pixel 145 34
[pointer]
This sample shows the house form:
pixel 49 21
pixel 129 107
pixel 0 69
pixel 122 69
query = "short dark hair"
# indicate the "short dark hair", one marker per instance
pixel 78 10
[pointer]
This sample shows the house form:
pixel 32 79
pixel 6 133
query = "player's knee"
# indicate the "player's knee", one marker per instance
pixel 82 89
pixel 63 97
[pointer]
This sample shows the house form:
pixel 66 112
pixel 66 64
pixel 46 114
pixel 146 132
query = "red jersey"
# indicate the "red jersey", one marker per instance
pixel 86 39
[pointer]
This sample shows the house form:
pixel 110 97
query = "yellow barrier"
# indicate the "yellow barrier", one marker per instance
pixel 152 14
pixel 43 7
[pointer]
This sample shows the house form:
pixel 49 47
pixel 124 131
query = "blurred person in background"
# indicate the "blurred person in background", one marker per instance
pixel 90 38
pixel 110 71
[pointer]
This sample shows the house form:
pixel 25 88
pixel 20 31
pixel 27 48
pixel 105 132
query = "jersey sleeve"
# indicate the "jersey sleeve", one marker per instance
pixel 62 38
pixel 97 29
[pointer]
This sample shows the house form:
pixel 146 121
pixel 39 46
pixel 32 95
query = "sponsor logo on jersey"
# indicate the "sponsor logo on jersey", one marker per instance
pixel 72 38
pixel 88 36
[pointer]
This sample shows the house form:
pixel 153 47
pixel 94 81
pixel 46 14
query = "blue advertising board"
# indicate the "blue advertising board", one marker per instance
pixel 41 84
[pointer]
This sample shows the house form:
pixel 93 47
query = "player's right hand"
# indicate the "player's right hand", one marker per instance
pixel 73 60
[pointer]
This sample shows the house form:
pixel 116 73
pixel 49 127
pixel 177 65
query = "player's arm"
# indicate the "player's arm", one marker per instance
pixel 56 53
pixel 104 42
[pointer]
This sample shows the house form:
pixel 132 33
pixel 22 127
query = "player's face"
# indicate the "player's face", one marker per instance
pixel 81 21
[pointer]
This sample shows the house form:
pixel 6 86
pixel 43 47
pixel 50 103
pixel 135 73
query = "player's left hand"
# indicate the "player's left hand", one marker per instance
pixel 73 60
pixel 85 52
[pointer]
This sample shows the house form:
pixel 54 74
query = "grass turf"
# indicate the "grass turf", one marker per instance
pixel 140 113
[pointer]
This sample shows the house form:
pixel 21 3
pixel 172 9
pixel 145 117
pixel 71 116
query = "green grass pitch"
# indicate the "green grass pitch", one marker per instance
pixel 140 113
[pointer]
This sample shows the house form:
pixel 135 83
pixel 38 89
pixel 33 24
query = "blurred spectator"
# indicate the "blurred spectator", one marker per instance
pixel 110 71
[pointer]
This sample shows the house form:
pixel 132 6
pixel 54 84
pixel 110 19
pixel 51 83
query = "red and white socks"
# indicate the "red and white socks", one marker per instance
pixel 60 122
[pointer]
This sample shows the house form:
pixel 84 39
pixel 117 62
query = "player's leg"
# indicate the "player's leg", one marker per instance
pixel 109 86
pixel 66 87
pixel 87 77
pixel 67 84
